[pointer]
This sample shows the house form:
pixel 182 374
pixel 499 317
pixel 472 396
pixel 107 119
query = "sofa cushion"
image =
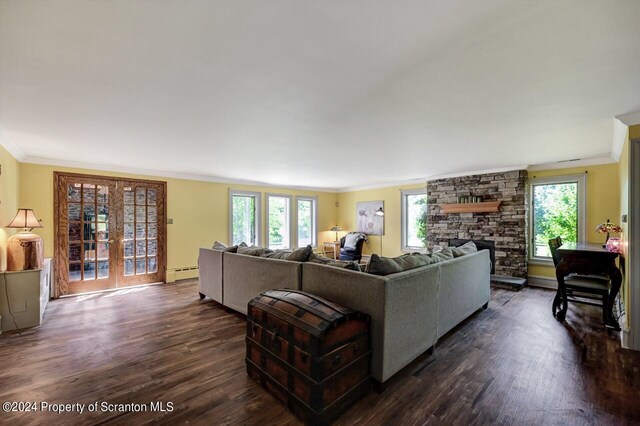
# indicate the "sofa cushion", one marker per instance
pixel 442 255
pixel 252 251
pixel 219 246
pixel 301 254
pixel 385 265
pixel 346 264
pixel 466 248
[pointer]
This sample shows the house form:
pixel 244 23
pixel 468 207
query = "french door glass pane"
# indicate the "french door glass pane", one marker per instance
pixel 244 220
pixel 278 218
pixel 555 214
pixel 306 225
pixel 416 220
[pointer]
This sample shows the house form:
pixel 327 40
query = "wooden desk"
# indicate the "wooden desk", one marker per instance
pixel 334 245
pixel 586 259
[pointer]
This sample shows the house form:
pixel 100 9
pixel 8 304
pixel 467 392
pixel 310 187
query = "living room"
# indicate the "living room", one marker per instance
pixel 407 166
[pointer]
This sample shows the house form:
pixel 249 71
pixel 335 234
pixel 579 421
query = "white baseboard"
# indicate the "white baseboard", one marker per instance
pixel 544 282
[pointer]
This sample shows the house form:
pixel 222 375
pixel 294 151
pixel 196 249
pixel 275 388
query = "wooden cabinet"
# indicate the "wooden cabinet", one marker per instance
pixel 28 294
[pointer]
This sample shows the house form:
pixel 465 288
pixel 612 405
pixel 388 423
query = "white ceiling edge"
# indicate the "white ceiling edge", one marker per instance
pixel 164 174
pixel 595 161
pixel 620 130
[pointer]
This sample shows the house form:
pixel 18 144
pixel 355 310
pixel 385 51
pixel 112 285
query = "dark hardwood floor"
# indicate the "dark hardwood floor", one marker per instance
pixel 510 364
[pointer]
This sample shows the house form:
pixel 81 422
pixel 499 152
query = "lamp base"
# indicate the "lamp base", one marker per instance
pixel 25 251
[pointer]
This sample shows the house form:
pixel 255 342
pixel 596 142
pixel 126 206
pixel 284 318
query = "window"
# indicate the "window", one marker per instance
pixel 244 215
pixel 557 209
pixel 278 221
pixel 414 219
pixel 306 221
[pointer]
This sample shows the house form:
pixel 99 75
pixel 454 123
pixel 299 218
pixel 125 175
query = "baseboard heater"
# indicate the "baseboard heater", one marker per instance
pixel 186 268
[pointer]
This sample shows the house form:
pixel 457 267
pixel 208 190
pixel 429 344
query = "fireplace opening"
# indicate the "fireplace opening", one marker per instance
pixel 480 245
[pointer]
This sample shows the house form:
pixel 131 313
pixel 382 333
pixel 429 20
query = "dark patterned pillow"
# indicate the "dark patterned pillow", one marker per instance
pixel 385 265
pixel 301 255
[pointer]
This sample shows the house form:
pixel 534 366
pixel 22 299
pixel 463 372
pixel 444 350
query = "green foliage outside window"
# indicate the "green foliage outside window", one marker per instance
pixel 555 213
pixel 243 220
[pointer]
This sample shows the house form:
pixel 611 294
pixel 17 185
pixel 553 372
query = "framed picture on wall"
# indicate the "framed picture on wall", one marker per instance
pixel 367 220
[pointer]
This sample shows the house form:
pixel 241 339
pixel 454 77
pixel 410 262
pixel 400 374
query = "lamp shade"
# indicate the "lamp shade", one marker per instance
pixel 336 229
pixel 608 227
pixel 25 219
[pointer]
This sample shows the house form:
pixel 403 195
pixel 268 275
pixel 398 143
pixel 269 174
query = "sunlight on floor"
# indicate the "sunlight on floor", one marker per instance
pixel 113 293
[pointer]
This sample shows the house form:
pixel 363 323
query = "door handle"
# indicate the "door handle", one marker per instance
pixel 112 241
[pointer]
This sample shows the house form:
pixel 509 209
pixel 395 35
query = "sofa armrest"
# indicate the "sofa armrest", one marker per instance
pixel 210 273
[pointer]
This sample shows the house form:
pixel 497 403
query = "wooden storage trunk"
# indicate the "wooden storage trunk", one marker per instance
pixel 311 354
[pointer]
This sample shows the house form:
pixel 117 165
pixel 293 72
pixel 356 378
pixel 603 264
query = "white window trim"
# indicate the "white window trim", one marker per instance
pixel 403 220
pixel 581 180
pixel 292 216
pixel 258 214
pixel 314 212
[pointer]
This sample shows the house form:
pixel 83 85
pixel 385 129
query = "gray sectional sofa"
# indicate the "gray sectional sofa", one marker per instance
pixel 409 310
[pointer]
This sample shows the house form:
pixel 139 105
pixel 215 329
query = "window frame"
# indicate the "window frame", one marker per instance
pixel 268 195
pixel 404 247
pixel 258 213
pixel 581 180
pixel 314 219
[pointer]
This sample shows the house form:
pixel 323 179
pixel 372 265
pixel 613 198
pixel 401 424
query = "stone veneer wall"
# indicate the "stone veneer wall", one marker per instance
pixel 507 228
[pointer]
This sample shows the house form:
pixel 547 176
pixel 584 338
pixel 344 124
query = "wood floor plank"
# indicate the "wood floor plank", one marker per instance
pixel 509 364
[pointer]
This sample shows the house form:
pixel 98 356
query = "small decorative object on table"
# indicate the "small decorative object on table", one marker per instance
pixel 608 228
pixel 311 354
pixel 614 245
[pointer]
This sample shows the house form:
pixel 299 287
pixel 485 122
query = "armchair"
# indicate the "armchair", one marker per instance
pixel 353 248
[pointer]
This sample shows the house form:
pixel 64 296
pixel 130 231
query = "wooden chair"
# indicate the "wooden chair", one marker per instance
pixel 583 289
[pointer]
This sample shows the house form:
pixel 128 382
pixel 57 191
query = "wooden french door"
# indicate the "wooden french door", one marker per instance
pixel 110 233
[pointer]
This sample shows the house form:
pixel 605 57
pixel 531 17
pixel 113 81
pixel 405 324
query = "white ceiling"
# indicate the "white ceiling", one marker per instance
pixel 324 94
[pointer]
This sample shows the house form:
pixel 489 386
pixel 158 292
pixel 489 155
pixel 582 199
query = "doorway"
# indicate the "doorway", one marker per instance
pixel 110 233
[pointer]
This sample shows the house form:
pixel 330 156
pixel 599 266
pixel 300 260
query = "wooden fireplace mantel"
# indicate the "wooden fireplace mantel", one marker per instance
pixel 484 207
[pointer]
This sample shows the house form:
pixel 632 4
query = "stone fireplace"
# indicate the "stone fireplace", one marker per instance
pixel 505 229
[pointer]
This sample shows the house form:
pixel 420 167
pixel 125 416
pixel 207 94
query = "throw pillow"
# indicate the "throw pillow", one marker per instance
pixel 252 251
pixel 442 255
pixel 351 240
pixel 385 266
pixel 316 258
pixel 278 254
pixel 349 264
pixel 466 248
pixel 300 255
pixel 219 246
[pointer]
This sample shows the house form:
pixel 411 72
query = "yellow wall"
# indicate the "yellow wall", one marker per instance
pixel 391 196
pixel 9 197
pixel 603 202
pixel 199 211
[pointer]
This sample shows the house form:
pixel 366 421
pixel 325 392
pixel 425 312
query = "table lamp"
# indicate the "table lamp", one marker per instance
pixel 607 228
pixel 336 229
pixel 25 249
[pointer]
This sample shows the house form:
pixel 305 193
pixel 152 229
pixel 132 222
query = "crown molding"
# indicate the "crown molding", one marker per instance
pixel 165 174
pixel 595 161
pixel 12 148
pixel 630 119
